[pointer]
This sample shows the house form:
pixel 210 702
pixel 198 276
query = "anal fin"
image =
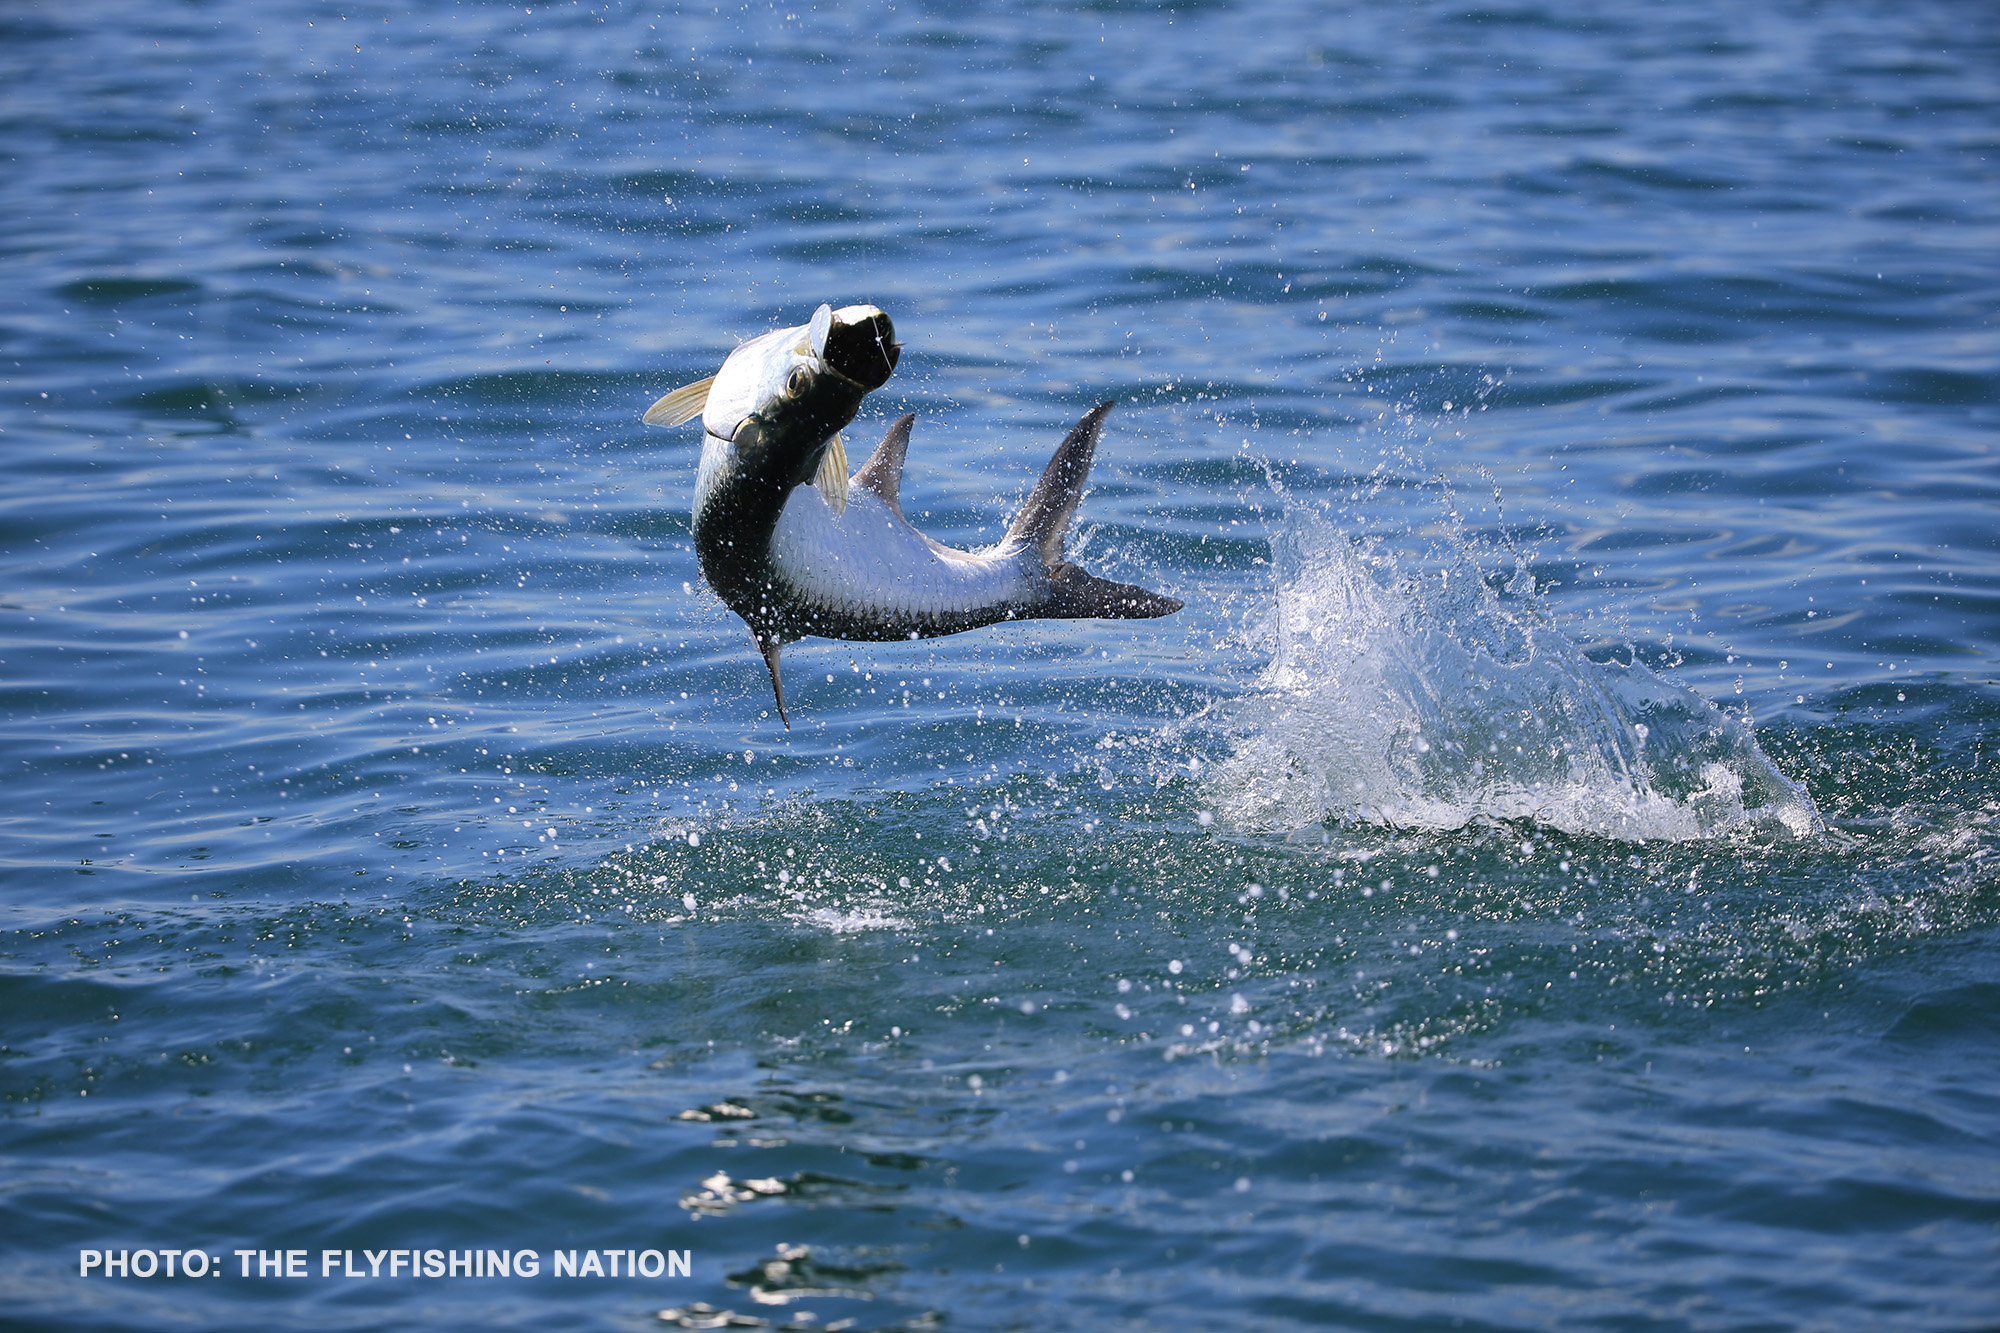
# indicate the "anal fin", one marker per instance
pixel 883 472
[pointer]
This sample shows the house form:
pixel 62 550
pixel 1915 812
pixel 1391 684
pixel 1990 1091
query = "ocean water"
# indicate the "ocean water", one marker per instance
pixel 1545 878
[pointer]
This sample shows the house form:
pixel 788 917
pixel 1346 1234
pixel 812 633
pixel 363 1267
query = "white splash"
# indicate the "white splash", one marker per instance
pixel 853 921
pixel 1429 701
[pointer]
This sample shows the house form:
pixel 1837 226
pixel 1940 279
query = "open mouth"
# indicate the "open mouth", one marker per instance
pixel 862 346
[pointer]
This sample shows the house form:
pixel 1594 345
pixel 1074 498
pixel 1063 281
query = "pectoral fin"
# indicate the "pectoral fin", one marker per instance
pixel 831 479
pixel 683 404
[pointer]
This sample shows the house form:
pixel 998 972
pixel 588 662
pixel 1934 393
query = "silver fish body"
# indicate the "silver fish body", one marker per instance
pixel 836 558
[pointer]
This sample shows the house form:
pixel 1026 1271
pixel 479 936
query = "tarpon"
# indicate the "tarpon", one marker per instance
pixel 836 558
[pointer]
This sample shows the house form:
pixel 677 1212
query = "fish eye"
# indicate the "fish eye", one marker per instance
pixel 797 382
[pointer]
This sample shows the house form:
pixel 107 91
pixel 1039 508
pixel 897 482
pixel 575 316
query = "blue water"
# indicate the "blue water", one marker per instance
pixel 1548 876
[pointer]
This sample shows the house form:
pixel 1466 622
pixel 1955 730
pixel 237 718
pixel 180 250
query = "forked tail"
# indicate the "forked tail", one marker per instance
pixel 1044 524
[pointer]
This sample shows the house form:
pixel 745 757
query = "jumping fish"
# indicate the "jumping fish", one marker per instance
pixel 836 558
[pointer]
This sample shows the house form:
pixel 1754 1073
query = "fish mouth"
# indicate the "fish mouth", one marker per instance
pixel 798 380
pixel 861 346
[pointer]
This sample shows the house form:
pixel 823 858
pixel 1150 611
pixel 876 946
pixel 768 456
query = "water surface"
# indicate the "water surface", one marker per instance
pixel 1545 877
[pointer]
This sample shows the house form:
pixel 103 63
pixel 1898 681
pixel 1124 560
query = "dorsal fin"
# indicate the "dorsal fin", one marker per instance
pixel 683 404
pixel 1044 519
pixel 769 647
pixel 883 472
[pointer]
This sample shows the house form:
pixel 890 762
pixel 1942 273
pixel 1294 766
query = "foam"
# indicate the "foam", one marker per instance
pixel 1426 700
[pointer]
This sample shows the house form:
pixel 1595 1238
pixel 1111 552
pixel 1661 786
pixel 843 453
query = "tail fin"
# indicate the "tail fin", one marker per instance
pixel 1044 519
pixel 1044 522
pixel 1076 595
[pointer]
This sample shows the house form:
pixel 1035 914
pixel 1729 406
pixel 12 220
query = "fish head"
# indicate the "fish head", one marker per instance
pixel 780 399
